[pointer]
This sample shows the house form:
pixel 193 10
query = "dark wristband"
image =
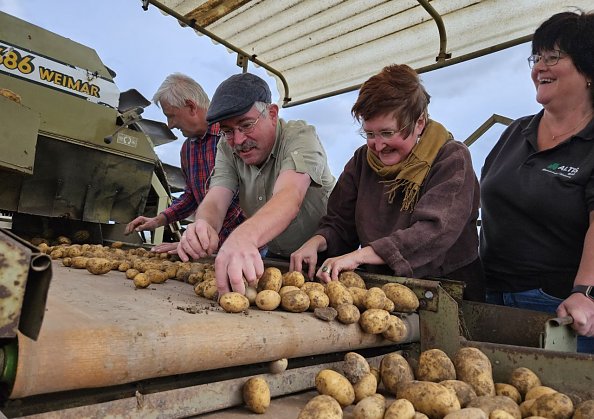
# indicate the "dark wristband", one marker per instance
pixel 587 290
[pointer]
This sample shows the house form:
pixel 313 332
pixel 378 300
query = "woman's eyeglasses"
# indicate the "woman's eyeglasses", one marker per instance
pixel 549 59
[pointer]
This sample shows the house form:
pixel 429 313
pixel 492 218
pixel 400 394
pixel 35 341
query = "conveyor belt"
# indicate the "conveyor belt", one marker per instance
pixel 101 331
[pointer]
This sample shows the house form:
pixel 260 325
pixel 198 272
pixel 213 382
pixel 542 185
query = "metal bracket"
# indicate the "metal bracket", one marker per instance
pixel 559 336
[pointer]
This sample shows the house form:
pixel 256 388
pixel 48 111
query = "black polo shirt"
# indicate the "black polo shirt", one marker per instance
pixel 535 209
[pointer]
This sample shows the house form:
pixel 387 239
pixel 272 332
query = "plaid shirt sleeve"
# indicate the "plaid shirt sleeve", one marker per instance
pixel 185 204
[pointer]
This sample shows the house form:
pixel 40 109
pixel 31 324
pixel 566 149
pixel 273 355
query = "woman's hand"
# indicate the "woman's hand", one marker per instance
pixel 308 254
pixel 332 267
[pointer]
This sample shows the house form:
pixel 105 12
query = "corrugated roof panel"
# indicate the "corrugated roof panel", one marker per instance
pixel 320 46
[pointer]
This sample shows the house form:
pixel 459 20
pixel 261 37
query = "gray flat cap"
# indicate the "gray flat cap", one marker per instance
pixel 236 96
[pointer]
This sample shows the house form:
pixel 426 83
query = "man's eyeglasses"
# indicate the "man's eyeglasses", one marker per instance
pixel 384 134
pixel 549 59
pixel 245 127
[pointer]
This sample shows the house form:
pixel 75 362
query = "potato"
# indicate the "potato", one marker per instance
pixel 234 302
pixel 376 372
pixel 489 403
pixel 293 278
pixel 473 367
pixel 333 384
pixel 358 295
pixel 351 279
pixel 434 365
pixel 524 379
pixel 141 281
pixel 554 406
pixel 429 398
pixel 295 301
pixel 525 407
pixel 585 410
pixel 268 300
pixel 210 290
pixel 464 392
pixel 98 266
pixel 338 294
pixel 256 394
pixel 374 298
pixel 67 261
pixel 272 279
pixel 124 265
pixel 280 365
pixel 317 299
pixel 503 389
pixel 131 273
pixel 400 409
pixel 536 392
pixel 365 387
pixel 372 407
pixel 394 370
pixel 389 305
pixel 63 240
pixel 500 414
pixel 355 367
pixel 467 413
pixel 57 253
pixel 250 294
pixel 288 288
pixel 156 276
pixel 404 299
pixel 183 273
pixel 171 272
pixel 321 407
pixel 374 321
pixel 348 314
pixel 397 330
pixel 313 286
pixel 419 415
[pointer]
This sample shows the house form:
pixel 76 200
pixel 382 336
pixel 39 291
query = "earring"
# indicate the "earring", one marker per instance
pixel 588 84
pixel 418 138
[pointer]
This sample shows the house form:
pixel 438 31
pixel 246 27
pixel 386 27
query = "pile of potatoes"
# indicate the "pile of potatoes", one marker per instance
pixel 348 300
pixel 138 264
pixel 438 387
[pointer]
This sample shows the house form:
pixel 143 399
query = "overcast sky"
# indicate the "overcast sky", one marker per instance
pixel 144 47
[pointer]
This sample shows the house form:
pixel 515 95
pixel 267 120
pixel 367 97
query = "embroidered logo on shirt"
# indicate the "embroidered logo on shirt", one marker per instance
pixel 561 170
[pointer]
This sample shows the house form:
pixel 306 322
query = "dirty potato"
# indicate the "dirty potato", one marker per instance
pixel 234 302
pixel 395 370
pixel 500 414
pixel 336 385
pixel 464 391
pixel 317 299
pixel 489 403
pixel 272 279
pixel 347 314
pixel 98 266
pixel 156 276
pixel 141 280
pixel 371 407
pixel 322 406
pixel 365 387
pixel 435 365
pixel 555 405
pixel 358 295
pixel 584 410
pixel 313 286
pixel 287 288
pixel 467 413
pixel 268 300
pixel 131 273
pixel 429 398
pixel 256 394
pixel 351 279
pixel 400 409
pixel 355 367
pixel 503 389
pixel 293 278
pixel 473 367
pixel 295 301
pixel 536 392
pixel 374 321
pixel 251 293
pixel 524 379
pixel 397 330
pixel 374 298
pixel 338 294
pixel 404 299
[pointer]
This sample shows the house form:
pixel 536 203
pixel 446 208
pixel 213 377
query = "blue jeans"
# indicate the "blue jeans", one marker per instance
pixel 536 300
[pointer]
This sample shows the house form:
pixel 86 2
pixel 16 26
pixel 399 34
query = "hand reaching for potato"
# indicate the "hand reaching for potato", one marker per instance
pixel 198 241
pixel 237 259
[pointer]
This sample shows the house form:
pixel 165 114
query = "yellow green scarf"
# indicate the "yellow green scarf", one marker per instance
pixel 410 173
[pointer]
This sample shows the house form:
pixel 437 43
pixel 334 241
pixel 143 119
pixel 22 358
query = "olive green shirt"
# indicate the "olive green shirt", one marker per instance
pixel 297 147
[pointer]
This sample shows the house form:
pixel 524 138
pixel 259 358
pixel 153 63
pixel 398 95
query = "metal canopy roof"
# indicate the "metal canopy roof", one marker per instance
pixel 319 48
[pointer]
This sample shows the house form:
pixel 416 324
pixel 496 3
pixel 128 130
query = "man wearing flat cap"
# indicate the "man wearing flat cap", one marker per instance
pixel 278 168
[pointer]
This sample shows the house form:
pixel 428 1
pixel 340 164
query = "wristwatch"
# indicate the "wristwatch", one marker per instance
pixel 587 290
